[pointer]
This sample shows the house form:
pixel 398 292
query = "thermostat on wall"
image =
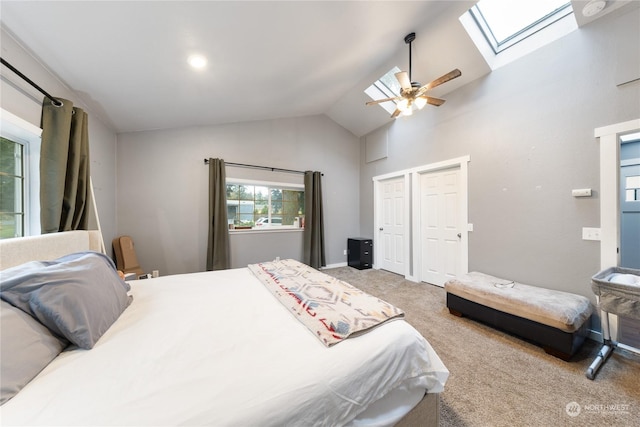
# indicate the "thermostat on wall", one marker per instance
pixel 581 192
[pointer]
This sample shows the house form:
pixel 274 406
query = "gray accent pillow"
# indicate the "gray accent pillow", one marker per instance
pixel 27 347
pixel 78 296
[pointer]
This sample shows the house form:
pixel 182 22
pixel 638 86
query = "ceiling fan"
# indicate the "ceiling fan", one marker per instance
pixel 412 94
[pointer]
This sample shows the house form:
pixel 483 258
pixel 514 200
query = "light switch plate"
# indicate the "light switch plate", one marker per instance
pixel 589 233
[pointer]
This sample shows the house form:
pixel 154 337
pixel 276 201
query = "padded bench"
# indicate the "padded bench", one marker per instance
pixel 555 320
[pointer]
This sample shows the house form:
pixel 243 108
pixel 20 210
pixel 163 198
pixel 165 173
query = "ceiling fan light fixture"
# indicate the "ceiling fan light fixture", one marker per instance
pixel 420 102
pixel 412 94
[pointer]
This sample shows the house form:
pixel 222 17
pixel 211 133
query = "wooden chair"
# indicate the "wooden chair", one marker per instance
pixel 125 252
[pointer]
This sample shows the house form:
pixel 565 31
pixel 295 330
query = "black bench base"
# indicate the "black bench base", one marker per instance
pixel 554 341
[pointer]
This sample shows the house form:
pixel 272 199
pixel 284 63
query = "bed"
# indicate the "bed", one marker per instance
pixel 216 348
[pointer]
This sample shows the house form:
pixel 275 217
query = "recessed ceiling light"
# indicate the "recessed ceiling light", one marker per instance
pixel 197 61
pixel 593 7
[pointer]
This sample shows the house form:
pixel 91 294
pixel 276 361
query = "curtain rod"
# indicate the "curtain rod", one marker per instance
pixel 28 80
pixel 243 165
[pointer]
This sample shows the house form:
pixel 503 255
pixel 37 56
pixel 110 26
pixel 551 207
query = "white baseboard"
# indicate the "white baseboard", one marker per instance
pixel 340 264
pixel 597 337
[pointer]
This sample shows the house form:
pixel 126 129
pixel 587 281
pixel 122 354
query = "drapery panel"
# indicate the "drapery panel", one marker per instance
pixel 64 168
pixel 314 223
pixel 218 257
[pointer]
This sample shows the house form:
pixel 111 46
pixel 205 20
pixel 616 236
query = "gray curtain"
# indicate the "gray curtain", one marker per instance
pixel 64 168
pixel 218 245
pixel 313 221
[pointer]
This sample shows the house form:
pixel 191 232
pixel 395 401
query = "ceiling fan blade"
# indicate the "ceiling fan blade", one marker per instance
pixel 403 79
pixel 434 101
pixel 379 101
pixel 396 113
pixel 437 82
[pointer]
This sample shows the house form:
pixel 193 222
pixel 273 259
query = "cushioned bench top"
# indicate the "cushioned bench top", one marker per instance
pixel 561 310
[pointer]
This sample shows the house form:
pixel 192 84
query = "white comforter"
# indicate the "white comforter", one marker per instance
pixel 217 349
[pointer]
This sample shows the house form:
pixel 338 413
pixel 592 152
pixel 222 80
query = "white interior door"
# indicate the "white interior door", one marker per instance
pixel 391 236
pixel 440 226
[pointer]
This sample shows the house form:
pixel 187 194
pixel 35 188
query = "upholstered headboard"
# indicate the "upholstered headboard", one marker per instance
pixel 46 247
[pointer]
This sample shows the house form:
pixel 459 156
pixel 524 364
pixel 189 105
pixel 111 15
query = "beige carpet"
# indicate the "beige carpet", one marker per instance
pixel 500 380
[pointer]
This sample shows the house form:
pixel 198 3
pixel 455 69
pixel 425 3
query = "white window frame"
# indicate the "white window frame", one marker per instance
pixel 267 228
pixel 29 136
pixel 538 25
pixel 524 45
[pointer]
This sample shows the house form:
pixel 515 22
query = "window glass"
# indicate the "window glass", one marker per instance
pixel 292 205
pixel 264 206
pixel 246 192
pixel 632 188
pixel 19 176
pixel 506 22
pixel 386 86
pixel 232 192
pixel 11 189
pixel 262 193
pixel 389 83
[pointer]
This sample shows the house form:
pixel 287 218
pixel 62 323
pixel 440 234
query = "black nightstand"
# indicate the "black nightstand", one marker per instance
pixel 360 253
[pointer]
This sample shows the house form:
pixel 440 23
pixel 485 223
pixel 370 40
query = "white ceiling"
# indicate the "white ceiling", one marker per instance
pixel 266 59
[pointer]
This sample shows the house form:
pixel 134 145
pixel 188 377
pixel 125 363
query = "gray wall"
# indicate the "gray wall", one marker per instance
pixel 163 187
pixel 22 100
pixel 528 128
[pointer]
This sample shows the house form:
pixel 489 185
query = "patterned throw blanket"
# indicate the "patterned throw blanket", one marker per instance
pixel 332 309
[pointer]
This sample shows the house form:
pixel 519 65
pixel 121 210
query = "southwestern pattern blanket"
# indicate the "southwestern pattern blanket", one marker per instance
pixel 331 309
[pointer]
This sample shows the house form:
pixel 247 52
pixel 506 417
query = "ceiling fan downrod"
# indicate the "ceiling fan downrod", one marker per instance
pixel 408 39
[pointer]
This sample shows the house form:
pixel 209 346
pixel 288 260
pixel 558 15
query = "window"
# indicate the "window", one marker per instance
pixel 505 30
pixel 506 22
pixel 11 189
pixel 386 86
pixel 629 157
pixel 252 205
pixel 19 177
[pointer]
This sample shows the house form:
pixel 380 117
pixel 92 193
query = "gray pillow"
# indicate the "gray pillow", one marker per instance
pixel 26 348
pixel 77 297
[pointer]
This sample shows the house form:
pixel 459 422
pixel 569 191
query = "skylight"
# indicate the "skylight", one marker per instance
pixel 505 30
pixel 386 86
pixel 506 22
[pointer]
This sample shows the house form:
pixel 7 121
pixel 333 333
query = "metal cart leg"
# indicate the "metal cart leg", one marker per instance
pixel 602 357
pixel 606 349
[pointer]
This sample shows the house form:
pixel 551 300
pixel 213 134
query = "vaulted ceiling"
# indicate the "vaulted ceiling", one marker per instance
pixel 127 60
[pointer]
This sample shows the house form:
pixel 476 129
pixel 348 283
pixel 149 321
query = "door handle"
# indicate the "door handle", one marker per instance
pixel 459 235
pixel 381 229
